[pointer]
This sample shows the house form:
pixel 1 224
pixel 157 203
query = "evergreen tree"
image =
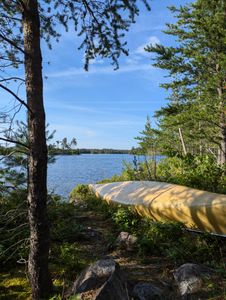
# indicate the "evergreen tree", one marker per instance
pixel 197 69
pixel 148 139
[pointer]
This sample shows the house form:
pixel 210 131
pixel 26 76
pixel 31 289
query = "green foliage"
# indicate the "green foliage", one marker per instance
pixel 196 69
pixel 148 139
pixel 171 239
pixel 196 171
pixel 64 225
pixel 101 26
pixel 80 192
pixel 126 219
pixel 13 170
pixel 157 236
pixel 200 172
pixel 66 260
pixel 138 170
pixel 13 228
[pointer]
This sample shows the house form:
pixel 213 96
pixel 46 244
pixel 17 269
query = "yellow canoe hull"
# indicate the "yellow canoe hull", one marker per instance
pixel 160 201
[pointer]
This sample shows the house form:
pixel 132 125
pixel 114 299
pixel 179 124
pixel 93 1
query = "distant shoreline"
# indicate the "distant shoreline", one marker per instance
pixel 59 151
pixel 88 151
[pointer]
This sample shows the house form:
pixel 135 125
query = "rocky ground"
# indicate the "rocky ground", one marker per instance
pixel 142 278
pixel 116 269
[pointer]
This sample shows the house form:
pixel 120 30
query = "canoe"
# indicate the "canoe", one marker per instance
pixel 161 201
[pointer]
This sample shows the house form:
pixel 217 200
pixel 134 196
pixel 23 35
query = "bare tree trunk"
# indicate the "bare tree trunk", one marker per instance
pixel 37 161
pixel 222 150
pixel 182 141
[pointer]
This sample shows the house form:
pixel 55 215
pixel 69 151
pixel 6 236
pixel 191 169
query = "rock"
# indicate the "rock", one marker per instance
pixel 125 240
pixel 115 288
pixel 147 291
pixel 94 276
pixel 189 278
pixel 103 280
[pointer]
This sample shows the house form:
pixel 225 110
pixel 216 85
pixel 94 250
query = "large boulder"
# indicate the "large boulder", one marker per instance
pixel 115 288
pixel 147 291
pixel 103 279
pixel 189 278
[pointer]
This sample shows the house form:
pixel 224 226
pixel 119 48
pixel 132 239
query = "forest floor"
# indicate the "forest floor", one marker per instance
pixel 97 234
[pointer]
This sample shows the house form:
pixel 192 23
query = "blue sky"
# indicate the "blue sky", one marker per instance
pixel 104 108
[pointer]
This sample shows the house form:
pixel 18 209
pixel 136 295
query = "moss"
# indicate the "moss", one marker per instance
pixel 14 286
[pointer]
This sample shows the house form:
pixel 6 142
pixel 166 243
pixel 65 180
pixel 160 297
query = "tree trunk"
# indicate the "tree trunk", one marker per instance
pixel 222 150
pixel 182 141
pixel 37 161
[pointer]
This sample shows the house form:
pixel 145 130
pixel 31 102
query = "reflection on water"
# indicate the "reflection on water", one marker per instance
pixel 70 170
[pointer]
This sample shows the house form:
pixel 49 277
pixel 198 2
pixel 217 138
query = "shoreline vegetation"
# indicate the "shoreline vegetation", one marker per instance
pixel 60 151
pixel 88 151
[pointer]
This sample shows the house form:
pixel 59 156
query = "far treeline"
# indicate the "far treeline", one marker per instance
pixel 71 151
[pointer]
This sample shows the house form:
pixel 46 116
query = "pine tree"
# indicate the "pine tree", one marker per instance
pixel 196 68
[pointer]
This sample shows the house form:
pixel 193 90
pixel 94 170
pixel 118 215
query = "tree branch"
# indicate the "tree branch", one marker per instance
pixel 12 43
pixel 12 78
pixel 91 12
pixel 12 93
pixel 14 142
pixel 10 17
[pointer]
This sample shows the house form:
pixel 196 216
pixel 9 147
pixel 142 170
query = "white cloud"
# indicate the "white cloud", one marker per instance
pixel 96 61
pixel 101 70
pixel 71 107
pixel 152 40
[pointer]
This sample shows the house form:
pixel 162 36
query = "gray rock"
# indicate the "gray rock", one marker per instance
pixel 125 240
pixel 94 276
pixel 115 288
pixel 147 291
pixel 189 278
pixel 103 279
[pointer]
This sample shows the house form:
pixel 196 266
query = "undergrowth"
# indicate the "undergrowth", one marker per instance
pixel 200 172
pixel 165 238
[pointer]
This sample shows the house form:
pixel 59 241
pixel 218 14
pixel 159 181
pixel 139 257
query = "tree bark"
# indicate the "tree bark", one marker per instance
pixel 182 141
pixel 222 150
pixel 37 161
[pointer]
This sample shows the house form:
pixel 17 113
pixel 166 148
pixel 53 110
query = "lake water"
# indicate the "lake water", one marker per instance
pixel 70 170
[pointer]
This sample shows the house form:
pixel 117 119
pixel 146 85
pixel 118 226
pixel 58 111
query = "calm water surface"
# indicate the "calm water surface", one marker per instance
pixel 70 170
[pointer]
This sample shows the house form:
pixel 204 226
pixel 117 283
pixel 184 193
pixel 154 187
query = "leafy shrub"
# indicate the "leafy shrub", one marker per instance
pixel 80 192
pixel 156 236
pixel 173 241
pixel 64 225
pixel 200 172
pixel 86 197
pixel 125 218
